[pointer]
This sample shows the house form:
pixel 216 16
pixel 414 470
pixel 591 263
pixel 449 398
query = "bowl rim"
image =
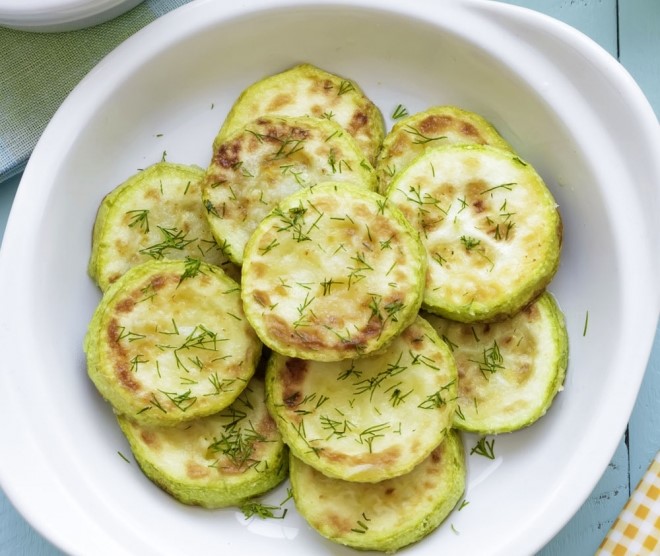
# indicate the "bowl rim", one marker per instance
pixel 188 21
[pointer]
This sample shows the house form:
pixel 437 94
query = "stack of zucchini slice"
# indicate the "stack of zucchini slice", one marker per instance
pixel 393 286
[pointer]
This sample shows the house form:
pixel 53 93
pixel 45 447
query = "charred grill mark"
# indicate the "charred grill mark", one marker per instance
pixel 296 369
pixel 196 471
pixel 262 298
pixel 299 133
pixel 389 456
pixel 292 400
pixel 324 86
pixel 358 121
pixel 293 376
pixel 531 313
pixel 161 280
pixel 114 332
pixel 150 439
pixel 278 102
pixel 118 356
pixel 227 154
pixel 125 305
pixel 282 331
pixel 125 376
pixel 340 523
pixel 469 130
pixel 434 124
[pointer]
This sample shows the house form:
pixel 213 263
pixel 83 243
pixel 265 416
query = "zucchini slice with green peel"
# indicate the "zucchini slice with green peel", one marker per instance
pixel 155 214
pixel 215 461
pixel 305 90
pixel 271 158
pixel 490 226
pixel 388 515
pixel 334 272
pixel 366 419
pixel 509 372
pixel 169 342
pixel 437 126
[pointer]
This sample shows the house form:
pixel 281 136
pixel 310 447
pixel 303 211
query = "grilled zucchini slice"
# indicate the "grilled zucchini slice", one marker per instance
pixel 305 90
pixel 214 461
pixel 366 419
pixel 169 342
pixel 271 158
pixel 334 272
pixel 437 126
pixel 383 516
pixel 155 214
pixel 509 372
pixel 490 227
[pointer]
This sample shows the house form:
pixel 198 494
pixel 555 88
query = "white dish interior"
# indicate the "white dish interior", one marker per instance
pixel 563 104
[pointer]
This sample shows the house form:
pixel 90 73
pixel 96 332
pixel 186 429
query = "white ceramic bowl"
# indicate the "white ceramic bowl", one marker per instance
pixel 60 15
pixel 562 102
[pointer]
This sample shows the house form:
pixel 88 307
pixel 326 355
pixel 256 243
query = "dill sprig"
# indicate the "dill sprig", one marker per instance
pixel 362 527
pixel 262 511
pixel 484 448
pixel 345 87
pixel 139 218
pixel 182 400
pixel 370 434
pixel 399 112
pixel 419 137
pixel 491 361
pixel 192 267
pixel 237 445
pixel 172 238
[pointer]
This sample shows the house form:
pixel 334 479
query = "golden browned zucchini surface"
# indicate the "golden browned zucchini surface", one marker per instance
pixel 214 461
pixel 490 226
pixel 333 273
pixel 371 418
pixel 272 157
pixel 154 214
pixel 388 515
pixel 169 342
pixel 437 126
pixel 306 90
pixel 509 372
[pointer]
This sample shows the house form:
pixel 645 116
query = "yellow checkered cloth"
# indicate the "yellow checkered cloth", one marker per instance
pixel 636 532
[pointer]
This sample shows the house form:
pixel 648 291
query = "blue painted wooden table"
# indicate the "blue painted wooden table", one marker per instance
pixel 629 30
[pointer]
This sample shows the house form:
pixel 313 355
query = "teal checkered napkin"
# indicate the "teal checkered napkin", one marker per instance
pixel 38 70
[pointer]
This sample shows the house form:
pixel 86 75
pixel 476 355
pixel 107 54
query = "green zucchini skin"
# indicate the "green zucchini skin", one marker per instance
pixel 388 515
pixel 272 157
pixel 306 90
pixel 215 461
pixel 334 272
pixel 436 126
pixel 169 342
pixel 367 419
pixel 490 227
pixel 509 372
pixel 154 214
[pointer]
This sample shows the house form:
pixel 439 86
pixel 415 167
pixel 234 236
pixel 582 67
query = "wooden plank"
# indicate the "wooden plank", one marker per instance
pixel 639 46
pixel 644 428
pixel 584 533
pixel 595 18
pixel 16 535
